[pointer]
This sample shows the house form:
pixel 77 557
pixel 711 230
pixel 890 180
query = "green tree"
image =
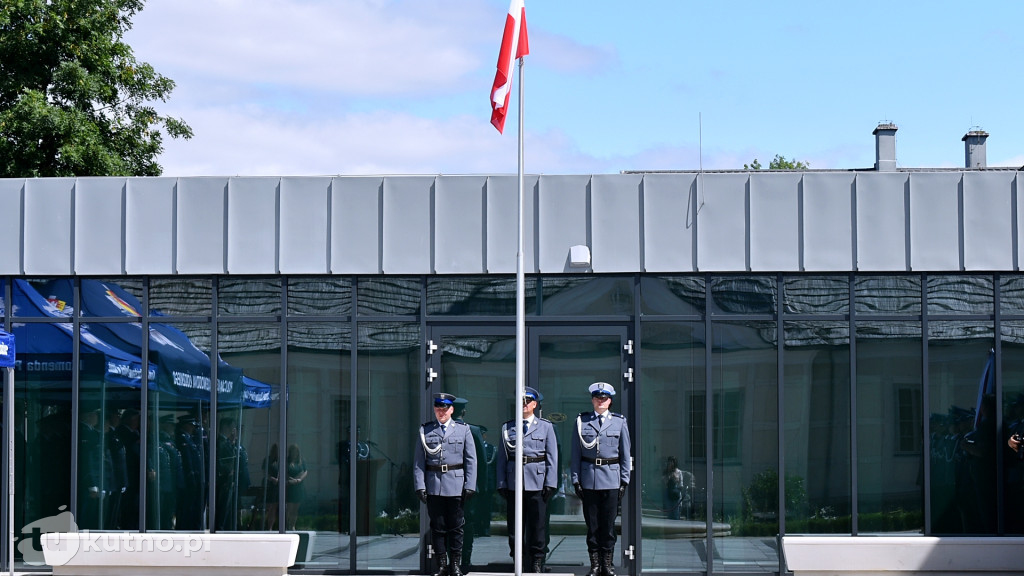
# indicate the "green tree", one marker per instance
pixel 74 101
pixel 780 162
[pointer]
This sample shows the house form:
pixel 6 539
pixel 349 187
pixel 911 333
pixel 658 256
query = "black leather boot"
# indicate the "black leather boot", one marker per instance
pixel 538 564
pixel 455 568
pixel 608 564
pixel 595 563
pixel 442 564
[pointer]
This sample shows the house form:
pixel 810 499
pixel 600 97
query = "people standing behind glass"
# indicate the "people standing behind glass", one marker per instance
pixel 164 476
pixel 270 484
pixel 232 474
pixel 190 494
pixel 93 467
pixel 444 476
pixel 295 488
pixel 679 487
pixel 600 470
pixel 540 478
pixel 127 432
pixel 117 483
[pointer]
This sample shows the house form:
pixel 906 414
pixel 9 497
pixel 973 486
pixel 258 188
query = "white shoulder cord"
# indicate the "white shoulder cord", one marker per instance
pixel 508 441
pixel 579 431
pixel 428 449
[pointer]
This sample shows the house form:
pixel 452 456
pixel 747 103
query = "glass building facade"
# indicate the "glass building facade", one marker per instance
pixel 788 403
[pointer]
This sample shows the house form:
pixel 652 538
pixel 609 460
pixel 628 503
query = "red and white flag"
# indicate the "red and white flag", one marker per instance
pixel 514 45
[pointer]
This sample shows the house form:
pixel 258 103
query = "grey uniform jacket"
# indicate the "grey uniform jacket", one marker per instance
pixel 610 441
pixel 540 442
pixel 452 468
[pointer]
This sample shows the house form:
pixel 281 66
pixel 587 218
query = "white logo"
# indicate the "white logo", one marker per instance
pixel 61 550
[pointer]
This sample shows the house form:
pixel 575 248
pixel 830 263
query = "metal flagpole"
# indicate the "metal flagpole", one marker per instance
pixel 520 352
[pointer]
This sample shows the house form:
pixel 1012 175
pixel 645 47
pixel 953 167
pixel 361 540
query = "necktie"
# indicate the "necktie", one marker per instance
pixel 444 427
pixel 600 420
pixel 526 426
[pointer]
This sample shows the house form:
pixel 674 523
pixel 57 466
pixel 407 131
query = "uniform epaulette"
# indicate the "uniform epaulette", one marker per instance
pixel 617 415
pixel 544 419
pixel 586 412
pixel 427 423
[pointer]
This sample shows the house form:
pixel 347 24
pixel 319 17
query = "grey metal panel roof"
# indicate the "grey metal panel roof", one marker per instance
pixel 945 220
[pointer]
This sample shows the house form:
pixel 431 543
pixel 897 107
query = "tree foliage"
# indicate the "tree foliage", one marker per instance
pixel 780 162
pixel 73 99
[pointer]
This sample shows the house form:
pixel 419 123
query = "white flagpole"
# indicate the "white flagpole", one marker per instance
pixel 520 351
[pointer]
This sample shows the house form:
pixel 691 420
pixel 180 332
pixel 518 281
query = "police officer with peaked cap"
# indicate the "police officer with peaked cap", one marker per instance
pixel 540 477
pixel 600 473
pixel 444 474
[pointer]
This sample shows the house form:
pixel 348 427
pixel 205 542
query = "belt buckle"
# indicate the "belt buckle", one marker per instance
pixel 444 468
pixel 598 462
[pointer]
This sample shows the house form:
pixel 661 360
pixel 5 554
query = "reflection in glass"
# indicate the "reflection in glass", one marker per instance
pixel 674 467
pixel 889 427
pixel 962 422
pixel 248 296
pixel 388 296
pixel 959 294
pixel 1011 294
pixel 745 446
pixel 458 296
pixel 319 378
pixel 320 296
pixel 569 296
pixel 887 294
pixel 387 511
pixel 255 350
pixel 817 295
pixel 672 295
pixel 743 294
pixel 1013 422
pixel 817 426
pixel 180 296
pixel 480 371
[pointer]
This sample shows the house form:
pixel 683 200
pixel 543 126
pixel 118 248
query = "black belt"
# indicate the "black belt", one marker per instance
pixel 601 461
pixel 443 467
pixel 532 459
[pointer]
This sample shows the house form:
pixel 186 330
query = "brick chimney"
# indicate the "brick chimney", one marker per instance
pixel 974 149
pixel 885 147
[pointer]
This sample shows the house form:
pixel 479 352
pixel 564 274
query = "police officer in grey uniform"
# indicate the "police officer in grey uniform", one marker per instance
pixel 600 474
pixel 444 474
pixel 540 477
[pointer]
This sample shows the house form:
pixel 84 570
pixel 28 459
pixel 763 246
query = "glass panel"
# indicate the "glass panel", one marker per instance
pixel 29 301
pixel 1013 421
pixel 178 426
pixel 672 295
pixel 477 296
pixel 948 294
pixel 253 353
pixel 743 294
pixel 817 295
pixel 388 413
pixel 319 377
pixel 673 468
pixel 180 297
pixel 745 442
pixel 320 296
pixel 563 296
pixel 566 367
pixel 1011 294
pixel 817 427
pixel 961 389
pixel 481 371
pixel 388 296
pixel 887 294
pixel 889 463
pixel 249 296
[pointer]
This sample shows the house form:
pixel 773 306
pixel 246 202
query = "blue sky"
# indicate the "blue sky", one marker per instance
pixel 313 87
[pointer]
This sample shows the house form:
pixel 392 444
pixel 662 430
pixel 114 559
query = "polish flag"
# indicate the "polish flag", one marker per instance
pixel 514 45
